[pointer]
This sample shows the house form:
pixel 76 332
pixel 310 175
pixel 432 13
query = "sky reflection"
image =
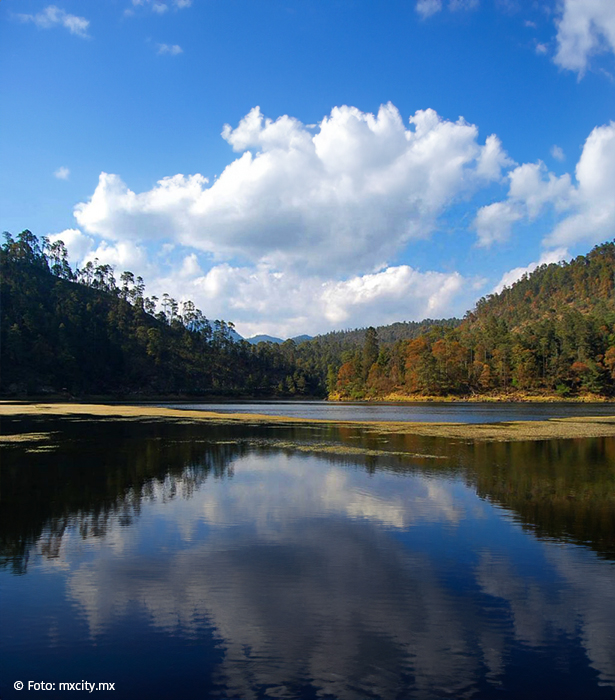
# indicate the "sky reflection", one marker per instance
pixel 315 573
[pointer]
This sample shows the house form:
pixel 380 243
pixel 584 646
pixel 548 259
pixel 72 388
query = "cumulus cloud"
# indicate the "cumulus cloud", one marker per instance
pixel 283 303
pixel 585 210
pixel 366 296
pixel 169 49
pixel 512 276
pixel 494 222
pixel 123 255
pixel 53 16
pixel 531 190
pixel 593 215
pixel 558 153
pixel 585 28
pixel 343 199
pixel 62 173
pixel 261 299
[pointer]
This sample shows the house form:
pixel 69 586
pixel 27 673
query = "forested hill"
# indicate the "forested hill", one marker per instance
pixel 552 332
pixel 585 285
pixel 402 330
pixel 81 332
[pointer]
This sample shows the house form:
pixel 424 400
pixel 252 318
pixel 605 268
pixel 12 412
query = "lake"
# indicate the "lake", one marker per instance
pixel 446 412
pixel 212 561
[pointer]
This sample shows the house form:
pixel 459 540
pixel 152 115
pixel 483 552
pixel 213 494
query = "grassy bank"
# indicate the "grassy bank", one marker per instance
pixel 491 397
pixel 555 428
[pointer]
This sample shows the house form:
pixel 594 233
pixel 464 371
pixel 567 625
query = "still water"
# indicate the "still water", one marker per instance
pixel 186 561
pixel 445 412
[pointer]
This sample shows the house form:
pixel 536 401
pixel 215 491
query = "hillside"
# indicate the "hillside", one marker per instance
pixel 585 285
pixel 402 330
pixel 82 333
pixel 552 333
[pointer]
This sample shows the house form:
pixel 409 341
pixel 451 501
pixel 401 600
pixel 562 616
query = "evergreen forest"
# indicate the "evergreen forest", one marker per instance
pixel 85 332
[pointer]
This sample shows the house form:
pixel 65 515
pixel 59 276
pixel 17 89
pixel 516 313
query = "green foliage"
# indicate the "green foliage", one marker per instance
pixel 79 332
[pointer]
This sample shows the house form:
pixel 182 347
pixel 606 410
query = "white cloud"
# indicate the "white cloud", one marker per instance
pixel 261 299
pixel 53 16
pixel 426 8
pixel 541 49
pixel 62 173
pixel 343 199
pixel 159 8
pixel 190 267
pixel 512 276
pixel 585 28
pixel 531 190
pixel 558 153
pixel 494 222
pixel 365 299
pixel 586 210
pixel 124 255
pixel 593 213
pixel 170 49
pixel 533 186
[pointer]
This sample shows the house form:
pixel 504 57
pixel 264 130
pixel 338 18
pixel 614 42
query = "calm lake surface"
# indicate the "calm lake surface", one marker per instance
pixel 192 561
pixel 458 412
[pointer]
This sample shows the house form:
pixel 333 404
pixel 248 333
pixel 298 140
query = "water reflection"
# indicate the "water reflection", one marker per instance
pixel 324 575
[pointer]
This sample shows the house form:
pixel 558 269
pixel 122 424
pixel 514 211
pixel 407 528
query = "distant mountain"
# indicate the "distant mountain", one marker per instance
pixel 255 339
pixel 234 336
pixel 301 338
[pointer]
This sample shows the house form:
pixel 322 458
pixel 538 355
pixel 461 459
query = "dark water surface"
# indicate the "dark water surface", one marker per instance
pixel 194 561
pixel 447 412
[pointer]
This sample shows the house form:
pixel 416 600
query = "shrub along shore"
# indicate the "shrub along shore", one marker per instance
pixel 554 428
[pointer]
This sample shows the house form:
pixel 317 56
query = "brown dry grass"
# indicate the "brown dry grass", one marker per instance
pixel 24 437
pixel 580 427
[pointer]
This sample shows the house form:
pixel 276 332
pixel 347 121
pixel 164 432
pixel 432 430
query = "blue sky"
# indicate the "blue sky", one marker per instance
pixel 306 166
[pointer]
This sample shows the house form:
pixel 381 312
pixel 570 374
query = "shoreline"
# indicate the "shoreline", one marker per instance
pixel 520 397
pixel 513 431
pixel 517 397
